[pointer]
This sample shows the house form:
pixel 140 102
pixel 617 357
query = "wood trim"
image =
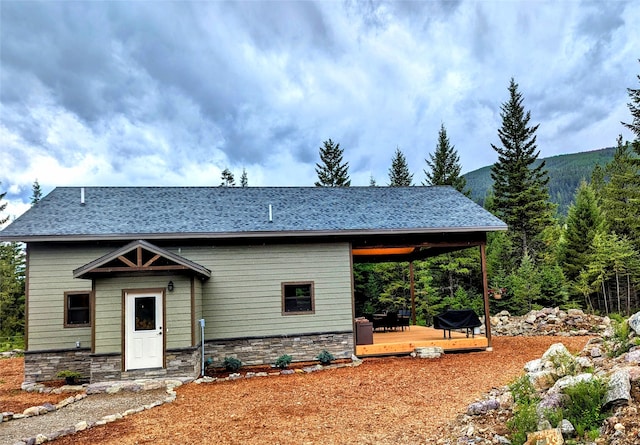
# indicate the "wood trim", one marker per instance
pixel 26 299
pixel 123 340
pixel 139 256
pixel 93 316
pixel 299 283
pixel 152 260
pixel 164 328
pixel 485 294
pixel 138 268
pixel 193 311
pixel 65 308
pixel 126 261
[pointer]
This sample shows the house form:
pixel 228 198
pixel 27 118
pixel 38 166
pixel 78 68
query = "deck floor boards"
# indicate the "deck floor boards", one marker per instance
pixel 404 342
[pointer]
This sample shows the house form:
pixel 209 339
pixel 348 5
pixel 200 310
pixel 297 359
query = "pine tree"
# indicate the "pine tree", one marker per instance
pixel 37 193
pixel 332 172
pixel 372 181
pixel 444 165
pixel 621 194
pixel 227 178
pixel 244 182
pixel 399 175
pixel 3 205
pixel 521 195
pixel 634 107
pixel 584 222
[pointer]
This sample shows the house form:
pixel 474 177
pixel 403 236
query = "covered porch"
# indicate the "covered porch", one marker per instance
pixel 405 341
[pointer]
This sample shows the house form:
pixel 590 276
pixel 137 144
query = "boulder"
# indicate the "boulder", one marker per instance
pixel 542 380
pixel 634 323
pixel 567 428
pixel 482 407
pixel 619 391
pixel 567 381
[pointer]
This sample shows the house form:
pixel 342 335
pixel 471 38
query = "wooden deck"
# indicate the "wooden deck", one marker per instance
pixel 405 342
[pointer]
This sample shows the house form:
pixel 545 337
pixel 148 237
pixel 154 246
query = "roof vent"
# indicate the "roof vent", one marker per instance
pixel 270 213
pixel 82 196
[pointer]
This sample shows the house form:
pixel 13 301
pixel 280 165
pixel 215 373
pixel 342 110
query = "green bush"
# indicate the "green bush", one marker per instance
pixel 283 361
pixel 325 357
pixel 524 420
pixel 584 407
pixel 523 391
pixel 232 364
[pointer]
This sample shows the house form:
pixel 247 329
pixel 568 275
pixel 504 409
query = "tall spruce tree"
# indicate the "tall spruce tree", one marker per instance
pixel 36 194
pixel 332 172
pixel 444 165
pixel 244 181
pixel 399 175
pixel 634 107
pixel 3 205
pixel 227 178
pixel 584 222
pixel 521 196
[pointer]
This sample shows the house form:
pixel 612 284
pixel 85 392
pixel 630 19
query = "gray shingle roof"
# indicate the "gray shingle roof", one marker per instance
pixel 181 212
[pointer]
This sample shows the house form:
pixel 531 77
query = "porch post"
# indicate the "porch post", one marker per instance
pixel 412 291
pixel 485 294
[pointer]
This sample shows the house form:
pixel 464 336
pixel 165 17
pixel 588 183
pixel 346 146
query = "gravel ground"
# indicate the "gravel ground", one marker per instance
pixel 92 408
pixel 383 401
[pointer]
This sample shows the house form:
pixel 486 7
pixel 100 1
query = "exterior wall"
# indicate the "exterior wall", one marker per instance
pixel 50 275
pixel 180 363
pixel 108 301
pixel 243 298
pixel 259 351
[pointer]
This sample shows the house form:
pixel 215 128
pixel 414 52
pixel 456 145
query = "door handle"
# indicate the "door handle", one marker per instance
pixel 160 330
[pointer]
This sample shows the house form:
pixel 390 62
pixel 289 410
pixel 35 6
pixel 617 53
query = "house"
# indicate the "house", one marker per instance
pixel 119 278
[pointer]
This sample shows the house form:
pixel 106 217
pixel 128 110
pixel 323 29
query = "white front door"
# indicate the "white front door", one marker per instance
pixel 143 331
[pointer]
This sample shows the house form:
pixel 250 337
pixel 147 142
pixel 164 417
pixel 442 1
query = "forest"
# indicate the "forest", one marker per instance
pixel 573 238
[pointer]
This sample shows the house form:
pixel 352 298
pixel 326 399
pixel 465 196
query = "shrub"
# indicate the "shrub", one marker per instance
pixel 232 364
pixel 524 420
pixel 621 331
pixel 584 407
pixel 523 391
pixel 283 361
pixel 325 357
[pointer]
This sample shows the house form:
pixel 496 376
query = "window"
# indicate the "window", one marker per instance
pixel 77 309
pixel 297 298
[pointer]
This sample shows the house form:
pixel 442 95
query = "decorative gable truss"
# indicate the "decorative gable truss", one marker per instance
pixel 140 256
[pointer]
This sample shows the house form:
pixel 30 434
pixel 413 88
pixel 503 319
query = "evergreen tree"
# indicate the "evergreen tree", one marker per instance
pixel 332 172
pixel 634 107
pixel 3 205
pixel 521 196
pixel 372 181
pixel 399 175
pixel 621 194
pixel 37 193
pixel 244 182
pixel 584 221
pixel 444 165
pixel 12 301
pixel 227 178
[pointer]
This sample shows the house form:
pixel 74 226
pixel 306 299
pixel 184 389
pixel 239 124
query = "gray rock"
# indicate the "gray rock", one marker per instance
pixel 497 438
pixel 619 391
pixel 633 356
pixel 595 352
pixel 482 407
pixel 634 323
pixel 542 380
pixel 567 381
pixel 533 365
pixel 567 428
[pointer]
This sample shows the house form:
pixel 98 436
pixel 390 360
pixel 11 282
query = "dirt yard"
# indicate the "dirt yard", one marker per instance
pixel 384 401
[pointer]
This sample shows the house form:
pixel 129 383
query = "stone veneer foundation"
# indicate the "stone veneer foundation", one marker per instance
pixel 40 366
pixel 265 350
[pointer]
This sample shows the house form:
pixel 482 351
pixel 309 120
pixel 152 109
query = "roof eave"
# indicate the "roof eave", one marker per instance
pixel 245 235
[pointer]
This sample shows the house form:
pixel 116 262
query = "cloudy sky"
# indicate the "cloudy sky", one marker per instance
pixel 171 93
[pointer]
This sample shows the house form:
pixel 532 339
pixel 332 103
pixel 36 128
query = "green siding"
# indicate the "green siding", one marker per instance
pixel 50 275
pixel 243 297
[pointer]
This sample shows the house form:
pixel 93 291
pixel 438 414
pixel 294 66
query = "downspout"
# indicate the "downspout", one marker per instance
pixel 202 339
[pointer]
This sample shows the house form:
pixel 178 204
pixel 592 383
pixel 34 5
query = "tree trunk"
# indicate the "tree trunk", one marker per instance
pixel 604 294
pixel 628 296
pixel 618 291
